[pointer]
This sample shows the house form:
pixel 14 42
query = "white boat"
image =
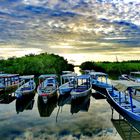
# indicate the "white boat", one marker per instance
pixel 67 83
pixel 100 82
pixel 133 76
pixel 27 87
pixel 121 99
pixel 82 87
pixel 47 86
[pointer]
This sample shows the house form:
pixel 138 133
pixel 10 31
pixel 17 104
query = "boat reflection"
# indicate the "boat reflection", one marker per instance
pixel 6 98
pixel 64 99
pixel 46 109
pixel 125 129
pixel 25 103
pixel 80 104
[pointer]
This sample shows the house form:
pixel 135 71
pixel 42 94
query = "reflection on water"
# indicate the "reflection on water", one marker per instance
pixel 126 130
pixel 91 119
pixel 6 98
pixel 25 103
pixel 45 109
pixel 81 104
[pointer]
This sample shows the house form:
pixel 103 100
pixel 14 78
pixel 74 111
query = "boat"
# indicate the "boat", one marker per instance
pixel 47 86
pixel 82 87
pixel 133 76
pixel 46 109
pixel 67 83
pixel 100 82
pixel 27 87
pixel 126 129
pixel 121 99
pixel 8 82
pixel 25 103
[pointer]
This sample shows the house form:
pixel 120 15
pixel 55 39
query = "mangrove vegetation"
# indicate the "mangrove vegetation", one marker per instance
pixel 36 64
pixel 113 69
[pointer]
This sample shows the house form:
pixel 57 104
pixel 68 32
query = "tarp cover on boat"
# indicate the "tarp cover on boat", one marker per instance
pixel 123 85
pixel 98 73
pixel 44 76
pixel 27 77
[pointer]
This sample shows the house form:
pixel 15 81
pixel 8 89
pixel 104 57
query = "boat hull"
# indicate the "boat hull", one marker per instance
pixel 122 111
pixel 75 94
pixel 46 96
pixel 101 88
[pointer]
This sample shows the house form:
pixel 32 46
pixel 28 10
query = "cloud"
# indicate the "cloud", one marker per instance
pixel 84 25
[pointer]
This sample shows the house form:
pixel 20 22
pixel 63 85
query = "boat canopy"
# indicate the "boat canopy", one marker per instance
pixel 67 72
pixel 86 76
pixel 8 75
pixel 98 74
pixel 138 73
pixel 27 77
pixel 65 76
pixel 47 76
pixel 123 85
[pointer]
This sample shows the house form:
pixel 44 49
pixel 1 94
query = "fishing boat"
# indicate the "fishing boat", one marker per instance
pixel 67 83
pixel 28 86
pixel 133 76
pixel 47 86
pixel 82 87
pixel 100 82
pixel 121 98
pixel 8 82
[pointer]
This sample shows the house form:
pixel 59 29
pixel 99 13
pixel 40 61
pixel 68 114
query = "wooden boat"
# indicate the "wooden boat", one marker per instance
pixel 28 86
pixel 100 82
pixel 82 87
pixel 67 83
pixel 125 129
pixel 47 86
pixel 121 99
pixel 8 82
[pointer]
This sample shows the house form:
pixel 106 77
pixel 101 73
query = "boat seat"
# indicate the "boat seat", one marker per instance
pixel 128 106
pixel 137 110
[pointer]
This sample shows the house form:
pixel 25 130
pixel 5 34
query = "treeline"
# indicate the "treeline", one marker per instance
pixel 36 64
pixel 113 69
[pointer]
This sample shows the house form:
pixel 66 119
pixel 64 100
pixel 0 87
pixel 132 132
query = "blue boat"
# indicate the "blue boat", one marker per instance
pixel 123 98
pixel 26 87
pixel 47 86
pixel 67 83
pixel 100 82
pixel 82 87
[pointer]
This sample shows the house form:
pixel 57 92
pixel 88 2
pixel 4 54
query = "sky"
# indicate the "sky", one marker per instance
pixel 79 30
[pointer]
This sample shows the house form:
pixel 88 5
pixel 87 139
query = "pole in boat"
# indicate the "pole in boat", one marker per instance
pixel 131 101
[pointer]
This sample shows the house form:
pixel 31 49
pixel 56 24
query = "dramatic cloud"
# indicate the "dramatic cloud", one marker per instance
pixel 67 26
